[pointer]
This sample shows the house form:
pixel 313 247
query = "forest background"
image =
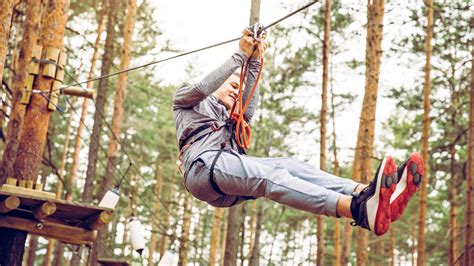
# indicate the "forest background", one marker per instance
pixel 90 141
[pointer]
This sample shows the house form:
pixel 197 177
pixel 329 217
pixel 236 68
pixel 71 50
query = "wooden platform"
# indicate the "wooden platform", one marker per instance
pixel 69 222
pixel 112 262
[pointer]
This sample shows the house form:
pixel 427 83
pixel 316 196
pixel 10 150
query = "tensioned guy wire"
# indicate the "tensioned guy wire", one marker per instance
pixel 186 53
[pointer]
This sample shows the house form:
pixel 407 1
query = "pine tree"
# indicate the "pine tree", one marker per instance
pixel 426 134
pixel 17 113
pixel 5 17
pixel 375 12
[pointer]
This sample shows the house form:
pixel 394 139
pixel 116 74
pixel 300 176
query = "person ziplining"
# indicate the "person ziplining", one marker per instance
pixel 212 118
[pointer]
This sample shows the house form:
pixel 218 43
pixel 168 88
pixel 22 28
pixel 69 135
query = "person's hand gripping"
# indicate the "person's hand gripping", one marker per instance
pixel 250 46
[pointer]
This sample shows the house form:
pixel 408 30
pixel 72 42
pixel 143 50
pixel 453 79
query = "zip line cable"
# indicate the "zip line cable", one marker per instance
pixel 186 53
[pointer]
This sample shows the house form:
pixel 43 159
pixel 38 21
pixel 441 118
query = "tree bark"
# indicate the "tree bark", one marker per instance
pixel 425 134
pixel 33 133
pixel 164 241
pixel 85 104
pixel 468 243
pixel 125 56
pixel 254 259
pixel 184 239
pixel 156 210
pixel 107 59
pixel 32 248
pixel 452 193
pixel 17 113
pixel 48 257
pixel 232 243
pixel 375 12
pixel 5 18
pixel 252 224
pixel 392 247
pixel 323 121
pixel 254 11
pixel 337 226
pixel 215 235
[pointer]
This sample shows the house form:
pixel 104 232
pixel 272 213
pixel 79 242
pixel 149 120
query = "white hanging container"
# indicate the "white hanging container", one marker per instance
pixel 110 199
pixel 136 235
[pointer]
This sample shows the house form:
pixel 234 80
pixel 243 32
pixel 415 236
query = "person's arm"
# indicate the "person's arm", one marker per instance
pixel 251 78
pixel 190 96
pixel 254 67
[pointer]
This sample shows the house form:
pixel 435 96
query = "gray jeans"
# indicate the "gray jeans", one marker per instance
pixel 285 180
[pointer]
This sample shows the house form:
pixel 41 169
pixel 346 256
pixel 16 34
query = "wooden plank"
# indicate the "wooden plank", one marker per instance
pixel 112 262
pixel 66 211
pixel 11 181
pixel 45 210
pixel 53 98
pixel 52 54
pixel 27 192
pixel 9 204
pixel 65 233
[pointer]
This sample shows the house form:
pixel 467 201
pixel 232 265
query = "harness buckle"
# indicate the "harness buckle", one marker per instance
pixel 214 126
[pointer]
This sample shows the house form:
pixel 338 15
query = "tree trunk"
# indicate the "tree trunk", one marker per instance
pixel 164 241
pixel 156 210
pixel 184 239
pixel 253 224
pixel 254 11
pixel 232 242
pixel 242 234
pixel 48 257
pixel 413 238
pixel 337 226
pixel 468 243
pixel 80 129
pixel 107 59
pixel 125 56
pixel 392 247
pixel 215 235
pixel 254 259
pixel 33 132
pixel 5 18
pixel 17 113
pixel 15 27
pixel 375 12
pixel 425 135
pixel 323 120
pixel 224 237
pixel 235 214
pixel 452 193
pixel 32 248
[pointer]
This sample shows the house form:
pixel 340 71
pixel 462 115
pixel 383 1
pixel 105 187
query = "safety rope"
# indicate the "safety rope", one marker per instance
pixel 243 134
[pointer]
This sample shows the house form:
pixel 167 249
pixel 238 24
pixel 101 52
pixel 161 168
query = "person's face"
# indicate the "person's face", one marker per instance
pixel 227 93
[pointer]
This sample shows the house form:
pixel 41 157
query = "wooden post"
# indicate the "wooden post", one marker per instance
pixel 9 204
pixel 102 219
pixel 45 210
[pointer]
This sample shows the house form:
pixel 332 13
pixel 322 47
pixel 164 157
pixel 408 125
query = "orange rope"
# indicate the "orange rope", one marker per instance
pixel 243 133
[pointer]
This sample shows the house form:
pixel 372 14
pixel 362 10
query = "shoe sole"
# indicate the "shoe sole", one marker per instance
pixel 378 206
pixel 407 186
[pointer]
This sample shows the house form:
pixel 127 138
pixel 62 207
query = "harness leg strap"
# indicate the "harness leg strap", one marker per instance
pixel 212 180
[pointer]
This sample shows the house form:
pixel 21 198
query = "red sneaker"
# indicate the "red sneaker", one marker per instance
pixel 410 175
pixel 370 208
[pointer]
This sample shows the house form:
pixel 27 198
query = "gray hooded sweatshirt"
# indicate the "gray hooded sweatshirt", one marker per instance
pixel 194 106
